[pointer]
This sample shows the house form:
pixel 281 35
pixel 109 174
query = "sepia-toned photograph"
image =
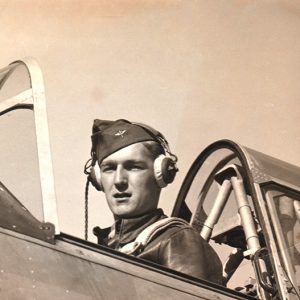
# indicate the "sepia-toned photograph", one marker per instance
pixel 150 149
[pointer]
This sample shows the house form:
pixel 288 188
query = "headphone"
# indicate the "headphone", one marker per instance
pixel 164 166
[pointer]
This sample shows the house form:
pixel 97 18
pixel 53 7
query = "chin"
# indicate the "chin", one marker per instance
pixel 123 214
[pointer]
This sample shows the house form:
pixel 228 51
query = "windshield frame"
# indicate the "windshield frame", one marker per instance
pixel 270 192
pixel 34 99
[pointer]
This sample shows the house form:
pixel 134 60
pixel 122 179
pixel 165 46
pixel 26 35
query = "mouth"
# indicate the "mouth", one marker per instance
pixel 122 197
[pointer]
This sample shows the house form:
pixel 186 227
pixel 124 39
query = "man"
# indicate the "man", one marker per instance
pixel 135 163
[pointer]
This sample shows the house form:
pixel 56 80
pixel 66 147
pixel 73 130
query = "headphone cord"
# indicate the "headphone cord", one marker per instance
pixel 88 166
pixel 86 210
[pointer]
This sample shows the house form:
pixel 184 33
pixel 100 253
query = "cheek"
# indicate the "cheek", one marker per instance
pixel 146 187
pixel 106 182
pixel 146 180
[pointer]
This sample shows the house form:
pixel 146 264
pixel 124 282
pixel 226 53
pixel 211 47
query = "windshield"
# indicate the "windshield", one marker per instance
pixel 19 160
pixel 25 162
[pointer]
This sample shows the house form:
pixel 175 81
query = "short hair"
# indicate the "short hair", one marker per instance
pixel 154 148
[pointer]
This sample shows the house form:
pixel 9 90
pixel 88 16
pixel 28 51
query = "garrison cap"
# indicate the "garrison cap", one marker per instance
pixel 111 136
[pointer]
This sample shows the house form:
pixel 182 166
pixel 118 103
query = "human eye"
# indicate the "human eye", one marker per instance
pixel 107 168
pixel 135 166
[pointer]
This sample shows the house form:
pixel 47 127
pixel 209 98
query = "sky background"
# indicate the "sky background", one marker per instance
pixel 198 71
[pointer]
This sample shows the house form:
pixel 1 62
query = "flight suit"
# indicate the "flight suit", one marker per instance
pixel 179 248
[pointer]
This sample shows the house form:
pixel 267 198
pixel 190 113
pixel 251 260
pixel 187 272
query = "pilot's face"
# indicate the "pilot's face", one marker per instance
pixel 128 181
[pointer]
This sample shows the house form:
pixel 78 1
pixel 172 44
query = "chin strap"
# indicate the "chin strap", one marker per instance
pixel 149 233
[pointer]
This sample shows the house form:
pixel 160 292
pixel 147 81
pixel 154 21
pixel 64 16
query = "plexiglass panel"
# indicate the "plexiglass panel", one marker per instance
pixel 285 214
pixel 18 163
pixel 19 160
pixel 14 80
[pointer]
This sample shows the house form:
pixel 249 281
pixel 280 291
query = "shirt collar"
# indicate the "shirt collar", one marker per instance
pixel 126 230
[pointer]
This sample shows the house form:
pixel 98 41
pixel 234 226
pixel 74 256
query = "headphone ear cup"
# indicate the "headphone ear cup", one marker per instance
pixel 164 170
pixel 95 177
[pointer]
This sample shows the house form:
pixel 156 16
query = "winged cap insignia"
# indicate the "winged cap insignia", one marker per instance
pixel 120 133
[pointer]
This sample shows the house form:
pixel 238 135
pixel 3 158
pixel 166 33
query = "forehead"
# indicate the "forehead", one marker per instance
pixel 134 152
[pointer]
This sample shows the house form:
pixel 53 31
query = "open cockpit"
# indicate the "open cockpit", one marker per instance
pixel 244 203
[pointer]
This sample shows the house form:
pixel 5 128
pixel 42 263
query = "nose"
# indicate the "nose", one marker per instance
pixel 120 179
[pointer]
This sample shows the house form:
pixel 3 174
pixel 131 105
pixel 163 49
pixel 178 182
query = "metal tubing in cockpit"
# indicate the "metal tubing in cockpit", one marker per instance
pixel 245 213
pixel 216 210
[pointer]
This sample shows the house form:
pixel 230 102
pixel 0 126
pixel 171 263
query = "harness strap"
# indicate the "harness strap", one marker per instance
pixel 147 235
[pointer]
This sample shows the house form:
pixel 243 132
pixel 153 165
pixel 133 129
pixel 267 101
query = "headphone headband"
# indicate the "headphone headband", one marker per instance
pixel 159 138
